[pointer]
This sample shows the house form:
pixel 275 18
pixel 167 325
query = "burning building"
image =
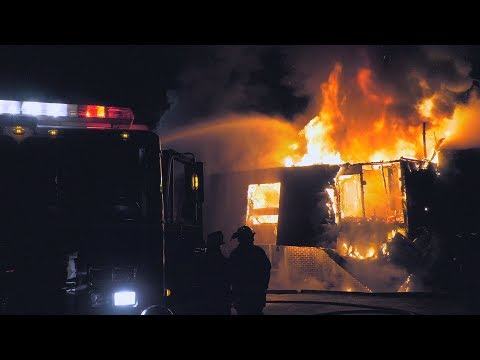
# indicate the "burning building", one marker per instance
pixel 361 215
pixel 377 200
pixel 313 217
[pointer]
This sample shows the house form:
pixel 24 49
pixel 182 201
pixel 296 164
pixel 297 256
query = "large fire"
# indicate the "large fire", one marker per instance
pixel 363 130
pixel 355 123
pixel 337 134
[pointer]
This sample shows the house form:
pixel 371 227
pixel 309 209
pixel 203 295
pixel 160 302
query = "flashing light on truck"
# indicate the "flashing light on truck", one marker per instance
pixel 70 115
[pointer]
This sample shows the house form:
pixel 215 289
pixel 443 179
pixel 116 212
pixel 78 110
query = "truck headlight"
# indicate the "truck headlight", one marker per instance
pixel 125 298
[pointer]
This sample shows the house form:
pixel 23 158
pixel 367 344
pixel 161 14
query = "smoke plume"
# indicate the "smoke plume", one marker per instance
pixel 372 105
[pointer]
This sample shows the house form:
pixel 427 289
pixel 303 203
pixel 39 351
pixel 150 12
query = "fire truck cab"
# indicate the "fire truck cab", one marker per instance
pixel 96 218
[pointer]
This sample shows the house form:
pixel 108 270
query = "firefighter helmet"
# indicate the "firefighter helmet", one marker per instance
pixel 243 232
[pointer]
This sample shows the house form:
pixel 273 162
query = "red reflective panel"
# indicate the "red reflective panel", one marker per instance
pixel 119 113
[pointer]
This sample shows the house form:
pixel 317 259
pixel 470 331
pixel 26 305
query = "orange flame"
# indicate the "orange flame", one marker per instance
pixel 425 107
pixel 366 131
pixel 320 147
pixel 263 210
pixel 354 252
pixel 364 78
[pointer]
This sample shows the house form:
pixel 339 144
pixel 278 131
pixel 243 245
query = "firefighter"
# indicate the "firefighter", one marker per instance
pixel 217 285
pixel 249 274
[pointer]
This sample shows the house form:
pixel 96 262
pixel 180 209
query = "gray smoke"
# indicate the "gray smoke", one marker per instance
pixel 219 80
pixel 237 79
pixel 405 73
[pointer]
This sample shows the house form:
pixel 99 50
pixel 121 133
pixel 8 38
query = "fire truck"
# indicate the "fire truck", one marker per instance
pixel 96 218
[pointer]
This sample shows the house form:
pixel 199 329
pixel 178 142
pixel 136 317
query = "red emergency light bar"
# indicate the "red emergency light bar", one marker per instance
pixel 104 112
pixel 55 110
pixel 69 114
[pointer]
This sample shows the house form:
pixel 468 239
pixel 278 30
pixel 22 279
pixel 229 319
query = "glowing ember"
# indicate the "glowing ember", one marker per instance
pixel 406 287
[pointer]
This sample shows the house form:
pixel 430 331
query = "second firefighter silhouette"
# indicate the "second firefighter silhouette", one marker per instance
pixel 249 274
pixel 217 285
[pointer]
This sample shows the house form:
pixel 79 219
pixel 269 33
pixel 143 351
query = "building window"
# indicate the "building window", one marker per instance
pixel 262 211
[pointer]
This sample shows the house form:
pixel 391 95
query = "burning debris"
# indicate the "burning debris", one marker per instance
pixel 372 205
pixel 354 252
pixel 406 285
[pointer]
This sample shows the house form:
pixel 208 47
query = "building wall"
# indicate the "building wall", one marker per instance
pixel 308 268
pixel 226 201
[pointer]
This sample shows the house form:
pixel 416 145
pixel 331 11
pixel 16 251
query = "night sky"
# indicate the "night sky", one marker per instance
pixel 202 81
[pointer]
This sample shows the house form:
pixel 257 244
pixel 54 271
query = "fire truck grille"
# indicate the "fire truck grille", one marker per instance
pixel 124 274
pixel 115 274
